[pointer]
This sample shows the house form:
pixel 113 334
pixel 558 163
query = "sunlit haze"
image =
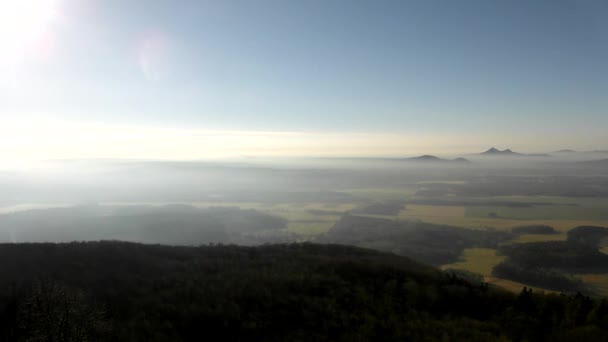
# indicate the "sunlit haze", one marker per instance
pixel 303 170
pixel 208 79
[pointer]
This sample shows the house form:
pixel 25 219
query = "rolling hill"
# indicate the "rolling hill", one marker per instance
pixel 429 159
pixel 116 291
pixel 509 153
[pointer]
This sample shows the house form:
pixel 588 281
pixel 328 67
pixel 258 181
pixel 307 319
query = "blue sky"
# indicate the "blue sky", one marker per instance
pixel 518 70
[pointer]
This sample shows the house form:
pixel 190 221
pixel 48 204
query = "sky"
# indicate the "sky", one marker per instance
pixel 192 79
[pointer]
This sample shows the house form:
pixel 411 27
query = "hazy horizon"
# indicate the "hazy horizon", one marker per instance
pixel 304 170
pixel 52 141
pixel 206 79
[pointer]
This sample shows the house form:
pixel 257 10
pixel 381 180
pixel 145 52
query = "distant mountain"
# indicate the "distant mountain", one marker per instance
pixel 433 159
pixel 565 151
pixel 496 152
pixel 425 158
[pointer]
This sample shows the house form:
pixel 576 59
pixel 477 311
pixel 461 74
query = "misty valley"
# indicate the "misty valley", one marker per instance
pixel 426 234
pixel 284 171
pixel 468 216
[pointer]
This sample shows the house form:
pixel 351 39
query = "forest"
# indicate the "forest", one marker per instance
pixel 550 264
pixel 424 242
pixel 118 291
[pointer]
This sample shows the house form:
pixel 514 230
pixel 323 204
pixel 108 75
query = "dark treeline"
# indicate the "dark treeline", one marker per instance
pixel 113 291
pixel 534 229
pixel 588 235
pixel 548 278
pixel 562 255
pixel 551 264
pixel 424 242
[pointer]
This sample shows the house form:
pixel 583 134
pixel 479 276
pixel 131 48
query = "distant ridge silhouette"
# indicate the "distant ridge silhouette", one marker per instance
pixel 495 151
pixel 434 159
pixel 509 153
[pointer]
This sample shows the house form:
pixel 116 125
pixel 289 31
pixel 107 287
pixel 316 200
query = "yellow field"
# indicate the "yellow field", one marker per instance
pixel 301 221
pixel 598 281
pixel 482 261
pixel 514 286
pixel 477 260
pixel 448 215
pixel 434 214
pixel 539 238
pixel 455 216
pixel 382 194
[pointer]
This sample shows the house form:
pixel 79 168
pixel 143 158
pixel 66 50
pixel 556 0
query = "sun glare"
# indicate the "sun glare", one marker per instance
pixel 23 23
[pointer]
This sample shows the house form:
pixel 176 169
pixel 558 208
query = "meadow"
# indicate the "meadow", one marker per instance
pixel 308 220
pixel 561 213
pixel 481 261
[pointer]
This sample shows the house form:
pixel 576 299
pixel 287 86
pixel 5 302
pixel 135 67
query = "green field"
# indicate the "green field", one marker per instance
pixel 383 194
pixel 455 216
pixel 312 219
pixel 553 212
pixel 300 220
pixel 565 215
pixel 315 218
pixel 303 222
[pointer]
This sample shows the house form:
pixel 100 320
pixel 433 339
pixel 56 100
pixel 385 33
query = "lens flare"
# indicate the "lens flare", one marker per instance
pixel 154 55
pixel 23 24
